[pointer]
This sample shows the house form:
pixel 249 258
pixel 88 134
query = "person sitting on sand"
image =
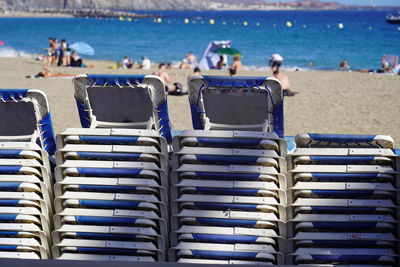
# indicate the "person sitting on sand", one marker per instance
pixel 221 63
pixel 275 62
pixel 344 65
pixel 236 66
pixel 146 64
pixel 76 61
pixel 162 73
pixel 189 62
pixel 127 63
pixel 47 73
pixel 285 83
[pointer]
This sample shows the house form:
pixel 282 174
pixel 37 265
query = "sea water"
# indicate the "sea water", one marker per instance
pixel 321 37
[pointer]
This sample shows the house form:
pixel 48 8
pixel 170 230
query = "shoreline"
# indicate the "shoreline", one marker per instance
pixel 130 13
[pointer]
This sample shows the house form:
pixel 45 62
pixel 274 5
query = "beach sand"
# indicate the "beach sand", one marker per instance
pixel 328 101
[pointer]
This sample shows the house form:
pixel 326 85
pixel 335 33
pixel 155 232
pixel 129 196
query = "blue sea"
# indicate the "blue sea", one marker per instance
pixel 314 36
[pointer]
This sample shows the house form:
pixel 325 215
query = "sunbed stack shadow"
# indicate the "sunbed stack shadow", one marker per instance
pixel 227 197
pixel 26 188
pixel 123 101
pixel 343 200
pixel 111 198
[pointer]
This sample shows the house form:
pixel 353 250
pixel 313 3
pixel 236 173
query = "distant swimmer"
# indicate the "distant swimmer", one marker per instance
pixel 275 62
pixel 344 65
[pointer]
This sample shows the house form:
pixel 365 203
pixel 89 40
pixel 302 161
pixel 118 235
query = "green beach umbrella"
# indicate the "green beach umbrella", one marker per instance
pixel 230 51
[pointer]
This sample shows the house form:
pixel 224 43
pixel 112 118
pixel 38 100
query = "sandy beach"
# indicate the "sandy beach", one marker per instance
pixel 328 101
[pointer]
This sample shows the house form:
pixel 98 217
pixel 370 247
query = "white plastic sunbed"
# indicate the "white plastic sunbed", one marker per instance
pixel 123 101
pixel 236 103
pixel 230 139
pixel 26 117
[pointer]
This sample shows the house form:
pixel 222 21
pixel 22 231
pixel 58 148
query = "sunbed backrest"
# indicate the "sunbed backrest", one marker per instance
pixel 118 106
pixel 236 106
pixel 17 118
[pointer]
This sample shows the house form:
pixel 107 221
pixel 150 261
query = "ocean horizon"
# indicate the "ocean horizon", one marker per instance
pixel 321 37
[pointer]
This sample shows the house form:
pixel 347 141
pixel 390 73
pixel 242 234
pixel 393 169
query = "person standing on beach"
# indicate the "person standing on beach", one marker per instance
pixel 275 62
pixel 236 65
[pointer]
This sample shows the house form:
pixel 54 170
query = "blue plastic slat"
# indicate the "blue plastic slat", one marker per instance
pixel 228 142
pixel 8 248
pixel 227 191
pixel 196 117
pixel 49 141
pixel 9 186
pixel 105 220
pixel 107 188
pixel 350 226
pixel 123 80
pixel 344 193
pixel 108 156
pixel 109 172
pixel 164 123
pixel 9 153
pixel 84 115
pixel 225 206
pixel 226 222
pixel 344 210
pixel 106 250
pixel 342 138
pixel 8 217
pixel 345 258
pixel 11 94
pixel 234 81
pixel 344 243
pixel 9 169
pixel 109 140
pixel 228 176
pixel 109 204
pixel 341 160
pixel 105 236
pixel 9 202
pixel 226 239
pixel 9 233
pixel 226 159
pixel 232 255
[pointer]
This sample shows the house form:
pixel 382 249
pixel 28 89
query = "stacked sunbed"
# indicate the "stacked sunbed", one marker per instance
pixel 25 176
pixel 343 200
pixel 111 198
pixel 228 198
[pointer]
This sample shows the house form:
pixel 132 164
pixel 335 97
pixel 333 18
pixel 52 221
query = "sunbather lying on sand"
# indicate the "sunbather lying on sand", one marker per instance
pixel 47 73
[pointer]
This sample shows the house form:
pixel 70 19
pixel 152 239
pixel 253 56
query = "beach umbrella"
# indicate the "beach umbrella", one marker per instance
pixel 82 48
pixel 230 51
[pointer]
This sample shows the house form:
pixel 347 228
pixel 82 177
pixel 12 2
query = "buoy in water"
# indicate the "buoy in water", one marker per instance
pixel 158 20
pixel 370 28
pixel 129 19
pixel 258 24
pixel 304 26
pixel 212 21
pixel 288 24
pixel 186 21
pixel 223 23
pixel 340 26
pixel 121 18
pixel 245 23
pixel 328 26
